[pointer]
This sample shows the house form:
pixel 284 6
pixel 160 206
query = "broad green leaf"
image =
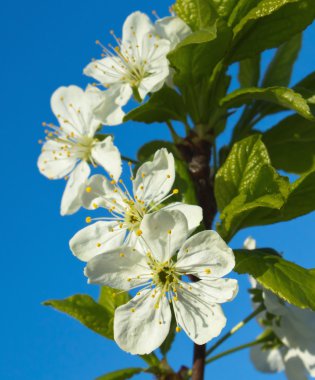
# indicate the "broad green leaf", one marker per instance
pixel 291 144
pixel 224 7
pixel 200 52
pixel 240 170
pixel 270 24
pixel 280 68
pixel 247 187
pixel 198 14
pixel 300 201
pixel 183 180
pixel 249 192
pixel 264 197
pixel 249 72
pixel 289 281
pixel 90 313
pixel 121 374
pixel 285 97
pixel 241 9
pixel 194 64
pixel 162 106
pixel 306 87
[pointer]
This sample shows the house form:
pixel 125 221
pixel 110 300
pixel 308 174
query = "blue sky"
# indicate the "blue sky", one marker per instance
pixel 45 45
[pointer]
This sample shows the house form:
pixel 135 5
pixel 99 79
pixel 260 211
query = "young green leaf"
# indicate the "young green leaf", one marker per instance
pixel 291 144
pixel 90 313
pixel 121 374
pixel 280 68
pixel 249 72
pixel 270 24
pixel 289 281
pixel 198 14
pixel 162 106
pixel 281 96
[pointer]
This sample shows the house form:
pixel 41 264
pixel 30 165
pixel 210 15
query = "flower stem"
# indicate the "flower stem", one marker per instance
pixel 235 329
pixel 235 349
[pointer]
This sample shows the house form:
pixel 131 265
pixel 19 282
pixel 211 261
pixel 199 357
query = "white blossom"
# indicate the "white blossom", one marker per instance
pixel 151 186
pixel 249 243
pixel 142 324
pixel 71 146
pixel 138 63
pixel 295 329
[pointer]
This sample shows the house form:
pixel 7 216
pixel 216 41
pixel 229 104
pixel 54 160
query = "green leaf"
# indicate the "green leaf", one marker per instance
pixel 249 72
pixel 247 188
pixel 83 308
pixel 240 170
pixel 282 96
pixel 270 24
pixel 240 10
pixel 111 298
pixel 198 14
pixel 198 54
pixel 249 192
pixel 291 144
pixel 162 106
pixel 194 62
pixel 300 201
pixel 289 281
pixel 121 374
pixel 183 180
pixel 225 7
pixel 280 68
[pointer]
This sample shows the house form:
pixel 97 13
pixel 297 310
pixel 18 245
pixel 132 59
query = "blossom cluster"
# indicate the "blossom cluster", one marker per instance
pixel 142 242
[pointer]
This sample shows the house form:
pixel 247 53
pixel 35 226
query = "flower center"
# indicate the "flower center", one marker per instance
pixel 164 275
pixel 134 215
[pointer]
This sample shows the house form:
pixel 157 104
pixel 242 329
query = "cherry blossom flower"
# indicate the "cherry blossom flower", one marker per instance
pixel 294 328
pixel 138 64
pixel 72 146
pixel 151 186
pixel 162 283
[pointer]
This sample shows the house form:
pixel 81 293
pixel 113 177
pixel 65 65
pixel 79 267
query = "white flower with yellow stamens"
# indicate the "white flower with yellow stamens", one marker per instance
pixel 294 348
pixel 138 63
pixel 72 146
pixel 152 186
pixel 141 325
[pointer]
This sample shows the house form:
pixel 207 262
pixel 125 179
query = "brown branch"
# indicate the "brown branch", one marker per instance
pixel 197 154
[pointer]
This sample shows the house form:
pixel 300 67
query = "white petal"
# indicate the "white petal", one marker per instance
pixel 192 213
pixel 73 108
pixel 173 29
pixel 164 232
pixel 154 82
pixel 206 255
pixel 122 268
pixel 101 194
pixel 109 107
pixel 53 162
pixel 72 196
pixel 294 367
pixel 249 243
pixel 154 179
pixel 201 320
pixel 136 26
pixel 140 327
pixel 107 71
pixel 217 290
pixel 106 154
pixel 95 239
pixel 268 361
